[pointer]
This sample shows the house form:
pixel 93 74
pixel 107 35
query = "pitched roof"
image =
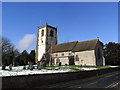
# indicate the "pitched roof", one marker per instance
pixel 85 45
pixel 74 46
pixel 63 47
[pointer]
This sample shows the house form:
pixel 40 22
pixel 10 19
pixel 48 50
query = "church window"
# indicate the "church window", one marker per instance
pixel 82 62
pixel 57 61
pixel 69 53
pixel 62 54
pixel 42 34
pixel 99 54
pixel 77 58
pixel 42 41
pixel 51 33
pixel 56 55
pixel 53 61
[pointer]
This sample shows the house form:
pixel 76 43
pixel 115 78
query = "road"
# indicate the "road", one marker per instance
pixel 109 80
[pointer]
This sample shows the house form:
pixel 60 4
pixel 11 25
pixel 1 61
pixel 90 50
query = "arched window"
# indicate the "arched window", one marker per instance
pixel 82 62
pixel 51 33
pixel 99 54
pixel 69 54
pixel 42 34
pixel 56 55
pixel 57 60
pixel 42 41
pixel 77 58
pixel 53 62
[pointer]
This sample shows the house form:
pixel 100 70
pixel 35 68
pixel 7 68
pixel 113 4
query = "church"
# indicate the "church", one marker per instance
pixel 88 52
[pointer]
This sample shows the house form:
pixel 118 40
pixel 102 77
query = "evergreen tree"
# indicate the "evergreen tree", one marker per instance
pixel 23 59
pixel 31 56
pixel 111 52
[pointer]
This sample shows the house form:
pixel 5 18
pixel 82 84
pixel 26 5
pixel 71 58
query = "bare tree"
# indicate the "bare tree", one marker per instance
pixel 8 51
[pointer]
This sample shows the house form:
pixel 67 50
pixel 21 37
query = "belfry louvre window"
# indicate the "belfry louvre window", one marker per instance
pixel 51 33
pixel 42 34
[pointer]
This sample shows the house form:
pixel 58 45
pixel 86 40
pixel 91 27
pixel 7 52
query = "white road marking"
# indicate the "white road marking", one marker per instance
pixel 79 87
pixel 112 85
pixel 110 75
pixel 92 83
pixel 115 85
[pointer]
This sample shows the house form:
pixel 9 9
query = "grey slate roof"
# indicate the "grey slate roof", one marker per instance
pixel 74 46
pixel 63 47
pixel 85 45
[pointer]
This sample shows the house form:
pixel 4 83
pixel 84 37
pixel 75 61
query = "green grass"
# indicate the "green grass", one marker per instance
pixel 99 67
pixel 73 68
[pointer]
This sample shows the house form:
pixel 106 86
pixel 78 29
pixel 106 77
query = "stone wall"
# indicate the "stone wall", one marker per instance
pixel 62 56
pixel 85 58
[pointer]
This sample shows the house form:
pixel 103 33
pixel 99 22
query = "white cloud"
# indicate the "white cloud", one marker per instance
pixel 26 41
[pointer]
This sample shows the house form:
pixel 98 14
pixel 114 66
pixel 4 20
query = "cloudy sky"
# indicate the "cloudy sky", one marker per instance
pixel 75 21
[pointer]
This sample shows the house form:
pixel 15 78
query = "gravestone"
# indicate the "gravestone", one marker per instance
pixel 59 63
pixel 3 67
pixel 38 64
pixel 40 67
pixel 30 65
pixel 10 67
pixel 44 63
pixel 24 67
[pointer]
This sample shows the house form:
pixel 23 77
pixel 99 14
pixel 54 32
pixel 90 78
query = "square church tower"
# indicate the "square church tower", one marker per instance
pixel 47 36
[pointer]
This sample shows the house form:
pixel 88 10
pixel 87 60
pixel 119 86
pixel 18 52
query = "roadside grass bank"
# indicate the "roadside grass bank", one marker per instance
pixel 18 70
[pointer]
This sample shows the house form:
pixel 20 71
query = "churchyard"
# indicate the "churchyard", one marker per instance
pixel 25 70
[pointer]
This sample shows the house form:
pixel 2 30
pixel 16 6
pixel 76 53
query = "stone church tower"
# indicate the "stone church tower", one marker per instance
pixel 47 36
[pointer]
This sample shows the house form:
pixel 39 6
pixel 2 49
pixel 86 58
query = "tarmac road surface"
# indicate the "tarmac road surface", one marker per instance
pixel 109 80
